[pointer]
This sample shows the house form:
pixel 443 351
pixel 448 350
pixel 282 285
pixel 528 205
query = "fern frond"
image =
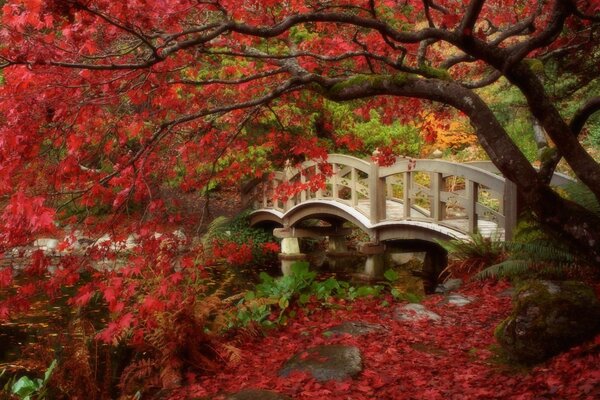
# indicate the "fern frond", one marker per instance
pixel 541 251
pixel 213 229
pixel 506 268
pixel 142 370
pixel 230 353
pixel 582 195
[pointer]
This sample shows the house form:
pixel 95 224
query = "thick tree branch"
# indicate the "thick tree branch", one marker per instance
pixel 471 15
pixel 576 125
pixel 486 81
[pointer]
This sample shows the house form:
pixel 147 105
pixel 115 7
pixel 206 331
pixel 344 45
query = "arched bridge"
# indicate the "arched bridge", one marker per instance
pixel 421 199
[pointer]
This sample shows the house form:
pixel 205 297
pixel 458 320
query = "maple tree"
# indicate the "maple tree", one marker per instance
pixel 108 107
pixel 102 101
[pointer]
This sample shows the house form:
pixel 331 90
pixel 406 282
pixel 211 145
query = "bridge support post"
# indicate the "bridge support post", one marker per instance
pixel 434 264
pixel 337 251
pixel 375 263
pixel 290 253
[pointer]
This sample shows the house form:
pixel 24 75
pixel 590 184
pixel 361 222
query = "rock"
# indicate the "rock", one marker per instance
pixel 257 394
pixel 46 244
pixel 449 286
pixel 437 153
pixel 327 362
pixel 354 328
pixel 547 318
pixel 458 299
pixel 401 258
pixel 414 312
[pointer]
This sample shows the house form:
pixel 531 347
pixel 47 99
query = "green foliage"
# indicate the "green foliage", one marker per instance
pixel 270 303
pixel 222 231
pixel 392 277
pixel 520 131
pixel 26 388
pixel 405 139
pixel 471 256
pixel 593 136
pixel 582 195
pixel 538 253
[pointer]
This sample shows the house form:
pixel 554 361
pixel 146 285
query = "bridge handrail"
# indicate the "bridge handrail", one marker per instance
pixel 558 179
pixel 374 182
pixel 479 175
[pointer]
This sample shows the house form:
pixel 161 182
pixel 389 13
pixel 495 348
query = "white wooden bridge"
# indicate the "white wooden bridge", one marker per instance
pixel 413 199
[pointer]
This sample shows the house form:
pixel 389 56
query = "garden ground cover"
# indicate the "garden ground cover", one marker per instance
pixel 454 358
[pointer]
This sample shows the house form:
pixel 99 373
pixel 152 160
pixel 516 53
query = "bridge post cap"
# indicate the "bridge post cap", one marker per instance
pixel 370 248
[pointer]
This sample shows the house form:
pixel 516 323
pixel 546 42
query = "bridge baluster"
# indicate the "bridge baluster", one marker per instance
pixel 353 179
pixel 472 192
pixel 406 193
pixel 334 181
pixel 303 192
pixel 287 175
pixel 377 210
pixel 437 206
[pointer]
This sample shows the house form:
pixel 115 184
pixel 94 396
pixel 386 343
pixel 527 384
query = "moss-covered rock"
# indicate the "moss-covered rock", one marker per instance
pixel 547 318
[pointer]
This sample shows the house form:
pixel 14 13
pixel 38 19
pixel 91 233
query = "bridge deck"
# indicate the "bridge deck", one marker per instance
pixel 395 212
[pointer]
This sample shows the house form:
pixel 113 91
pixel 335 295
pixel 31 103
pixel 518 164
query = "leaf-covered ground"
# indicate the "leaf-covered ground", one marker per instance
pixel 450 359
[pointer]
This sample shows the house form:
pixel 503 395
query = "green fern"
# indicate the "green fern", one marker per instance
pixel 216 228
pixel 471 256
pixel 535 254
pixel 582 195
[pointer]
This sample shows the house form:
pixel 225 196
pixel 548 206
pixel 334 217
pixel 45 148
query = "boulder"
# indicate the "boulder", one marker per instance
pixel 547 318
pixel 326 362
pixel 354 328
pixel 458 299
pixel 414 312
pixel 449 286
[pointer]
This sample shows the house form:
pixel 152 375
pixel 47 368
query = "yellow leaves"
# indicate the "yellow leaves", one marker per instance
pixel 447 131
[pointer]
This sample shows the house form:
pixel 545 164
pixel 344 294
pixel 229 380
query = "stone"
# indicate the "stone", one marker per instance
pixel 46 244
pixel 414 312
pixel 326 362
pixel 354 328
pixel 458 299
pixel 257 394
pixel 449 286
pixel 548 318
pixel 401 258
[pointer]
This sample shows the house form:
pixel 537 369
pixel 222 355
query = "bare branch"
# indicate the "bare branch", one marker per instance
pixel 487 80
pixel 583 114
pixel 245 79
pixel 559 14
pixel 468 21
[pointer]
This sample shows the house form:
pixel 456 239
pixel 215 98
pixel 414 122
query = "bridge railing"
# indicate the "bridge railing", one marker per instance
pixel 459 196
pixel 455 195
